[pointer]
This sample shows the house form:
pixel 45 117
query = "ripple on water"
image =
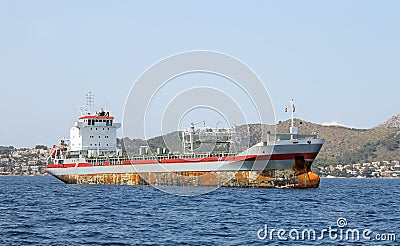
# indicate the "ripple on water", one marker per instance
pixel 41 210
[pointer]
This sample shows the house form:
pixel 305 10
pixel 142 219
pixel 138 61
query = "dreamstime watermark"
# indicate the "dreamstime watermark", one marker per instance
pixel 340 232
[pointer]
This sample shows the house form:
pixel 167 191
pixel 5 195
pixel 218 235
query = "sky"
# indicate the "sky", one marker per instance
pixel 339 60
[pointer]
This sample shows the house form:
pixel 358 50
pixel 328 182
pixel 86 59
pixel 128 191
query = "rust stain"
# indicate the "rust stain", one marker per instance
pixel 299 177
pixel 308 180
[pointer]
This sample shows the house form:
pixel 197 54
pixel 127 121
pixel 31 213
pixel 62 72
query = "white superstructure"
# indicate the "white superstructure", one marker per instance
pixel 94 132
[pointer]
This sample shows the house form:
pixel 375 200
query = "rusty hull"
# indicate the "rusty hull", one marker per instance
pixel 300 176
pixel 245 179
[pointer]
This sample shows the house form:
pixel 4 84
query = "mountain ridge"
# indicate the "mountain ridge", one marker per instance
pixel 393 122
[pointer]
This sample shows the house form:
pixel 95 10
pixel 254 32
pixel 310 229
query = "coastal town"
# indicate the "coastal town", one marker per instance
pixel 23 161
pixel 26 162
pixel 375 169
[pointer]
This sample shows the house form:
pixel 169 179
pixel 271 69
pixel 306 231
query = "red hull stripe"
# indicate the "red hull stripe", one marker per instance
pixel 292 156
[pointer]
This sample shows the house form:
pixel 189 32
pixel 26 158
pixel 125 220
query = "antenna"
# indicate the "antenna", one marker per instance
pixel 89 102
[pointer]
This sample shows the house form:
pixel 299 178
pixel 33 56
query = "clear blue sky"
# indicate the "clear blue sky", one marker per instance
pixel 339 59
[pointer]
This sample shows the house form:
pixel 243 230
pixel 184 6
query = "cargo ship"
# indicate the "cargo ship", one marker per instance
pixel 91 156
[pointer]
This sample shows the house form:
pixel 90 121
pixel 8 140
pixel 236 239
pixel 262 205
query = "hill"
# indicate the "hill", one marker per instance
pixel 392 122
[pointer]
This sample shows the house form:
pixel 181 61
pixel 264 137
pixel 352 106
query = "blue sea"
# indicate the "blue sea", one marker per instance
pixel 44 211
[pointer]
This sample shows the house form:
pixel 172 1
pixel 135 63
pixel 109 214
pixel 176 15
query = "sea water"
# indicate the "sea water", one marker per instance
pixel 43 210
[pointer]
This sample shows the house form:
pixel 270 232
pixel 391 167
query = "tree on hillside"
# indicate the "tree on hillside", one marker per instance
pixel 39 146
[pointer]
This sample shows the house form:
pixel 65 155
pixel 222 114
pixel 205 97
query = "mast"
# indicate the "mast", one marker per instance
pixel 292 109
pixel 89 102
pixel 191 132
pixel 293 129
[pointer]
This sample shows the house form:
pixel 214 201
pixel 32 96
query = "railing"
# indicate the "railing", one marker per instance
pixel 288 136
pixel 114 160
